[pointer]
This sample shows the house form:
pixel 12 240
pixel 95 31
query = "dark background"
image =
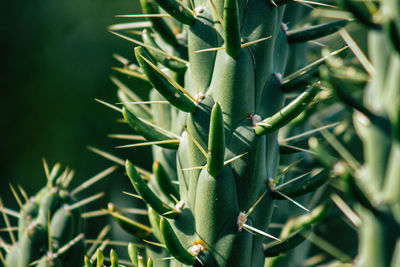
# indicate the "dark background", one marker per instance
pixel 56 58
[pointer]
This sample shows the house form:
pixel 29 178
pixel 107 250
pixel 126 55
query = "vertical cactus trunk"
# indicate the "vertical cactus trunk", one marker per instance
pixel 241 80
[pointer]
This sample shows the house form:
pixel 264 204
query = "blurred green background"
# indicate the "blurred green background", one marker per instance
pixel 56 58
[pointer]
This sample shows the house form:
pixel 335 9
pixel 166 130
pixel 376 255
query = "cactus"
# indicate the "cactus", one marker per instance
pixel 50 224
pixel 135 258
pixel 216 107
pixel 373 184
pixel 223 78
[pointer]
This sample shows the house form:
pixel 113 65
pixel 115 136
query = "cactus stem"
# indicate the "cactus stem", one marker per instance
pixel 88 262
pixel 114 258
pixel 100 257
pixel 94 179
pixel 291 200
pixel 232 28
pixel 150 143
pixel 148 129
pixel 347 211
pixel 174 83
pixel 149 47
pixel 173 244
pixel 85 201
pixel 144 16
pixel 8 225
pixel 315 32
pixel 49 235
pixel 289 112
pixel 154 243
pixel 147 193
pixel 273 249
pixel 216 142
pixel 109 105
pixel 178 10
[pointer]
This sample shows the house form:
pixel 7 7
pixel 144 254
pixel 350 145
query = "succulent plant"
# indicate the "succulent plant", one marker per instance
pixel 50 223
pixel 372 183
pixel 135 258
pixel 218 73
